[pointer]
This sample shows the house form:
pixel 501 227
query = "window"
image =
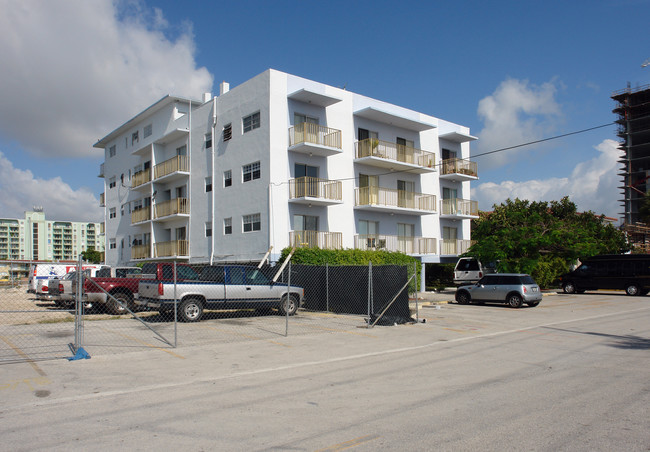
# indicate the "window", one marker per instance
pixel 112 244
pixel 227 226
pixel 364 134
pixel 148 130
pixel 112 182
pixel 305 223
pixel 227 178
pixel 135 137
pixel 299 119
pixel 405 230
pixel 251 171
pixel 227 132
pixel 181 150
pixel 112 213
pixel 251 122
pixel 447 154
pixel 252 222
pixel 111 151
pixel 208 140
pixel 208 184
pixel 208 229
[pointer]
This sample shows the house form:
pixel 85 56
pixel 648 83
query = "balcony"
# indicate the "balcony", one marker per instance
pixel 174 248
pixel 170 209
pixel 312 139
pixel 407 245
pixel 394 201
pixel 460 209
pixel 101 227
pixel 102 200
pixel 101 170
pixel 314 191
pixel 172 169
pixel 316 239
pixel 393 156
pixel 455 247
pixel 140 215
pixel 140 178
pixel 459 170
pixel 141 252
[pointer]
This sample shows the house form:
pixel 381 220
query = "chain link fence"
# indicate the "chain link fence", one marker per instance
pixel 220 304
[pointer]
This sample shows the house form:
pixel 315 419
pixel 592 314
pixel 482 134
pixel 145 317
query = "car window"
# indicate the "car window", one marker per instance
pixel 527 279
pixel 254 276
pixel 236 275
pixel 213 274
pixel 509 280
pixel 467 265
pixel 149 269
pixel 186 273
pixel 488 280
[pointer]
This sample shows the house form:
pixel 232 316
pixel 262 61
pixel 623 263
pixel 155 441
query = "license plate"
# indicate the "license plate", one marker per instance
pixel 534 289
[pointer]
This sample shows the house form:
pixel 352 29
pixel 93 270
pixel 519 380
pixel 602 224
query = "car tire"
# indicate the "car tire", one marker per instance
pixel 115 308
pixel 292 305
pixel 514 300
pixel 463 298
pixel 190 310
pixel 569 287
pixel 632 290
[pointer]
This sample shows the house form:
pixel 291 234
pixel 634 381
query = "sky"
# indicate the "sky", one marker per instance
pixel 513 72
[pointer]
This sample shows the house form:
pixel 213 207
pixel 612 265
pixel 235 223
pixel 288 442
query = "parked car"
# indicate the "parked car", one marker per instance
pixel 629 272
pixel 470 270
pixel 515 289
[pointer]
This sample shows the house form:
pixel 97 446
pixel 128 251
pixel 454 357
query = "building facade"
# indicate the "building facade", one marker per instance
pixel 35 238
pixel 279 161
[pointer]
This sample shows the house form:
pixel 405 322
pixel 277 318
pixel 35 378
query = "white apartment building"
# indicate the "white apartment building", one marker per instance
pixel 281 160
pixel 34 237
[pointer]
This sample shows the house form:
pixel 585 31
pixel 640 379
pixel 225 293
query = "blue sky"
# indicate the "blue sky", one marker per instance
pixel 512 71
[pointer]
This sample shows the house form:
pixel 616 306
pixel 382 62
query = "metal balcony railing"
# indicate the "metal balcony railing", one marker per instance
pixel 172 207
pixel 316 239
pixel 307 132
pixel 102 201
pixel 312 187
pixel 455 246
pixel 367 196
pixel 459 166
pixel 140 215
pixel 172 248
pixel 372 147
pixel 459 206
pixel 407 245
pixel 141 177
pixel 174 164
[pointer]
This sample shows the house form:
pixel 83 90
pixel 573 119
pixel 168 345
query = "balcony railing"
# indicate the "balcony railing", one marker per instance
pixel 172 248
pixel 141 177
pixel 460 207
pixel 101 170
pixel 407 245
pixel 371 196
pixel 101 227
pixel 372 147
pixel 307 132
pixel 459 166
pixel 140 215
pixel 455 246
pixel 172 207
pixel 102 201
pixel 316 239
pixel 174 164
pixel 141 251
pixel 312 187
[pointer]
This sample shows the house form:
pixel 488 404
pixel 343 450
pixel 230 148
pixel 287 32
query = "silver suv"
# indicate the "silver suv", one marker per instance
pixel 515 289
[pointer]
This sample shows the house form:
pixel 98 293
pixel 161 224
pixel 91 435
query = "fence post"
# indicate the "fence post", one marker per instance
pixel 415 278
pixel 327 286
pixel 175 310
pixel 286 307
pixel 369 290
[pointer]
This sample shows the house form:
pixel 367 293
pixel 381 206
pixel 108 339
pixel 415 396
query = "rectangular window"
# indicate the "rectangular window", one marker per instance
pixel 208 140
pixel 112 244
pixel 148 130
pixel 227 226
pixel 305 223
pixel 251 171
pixel 227 178
pixel 251 122
pixel 181 150
pixel 227 132
pixel 112 182
pixel 112 213
pixel 135 137
pixel 208 184
pixel 111 151
pixel 252 222
pixel 208 229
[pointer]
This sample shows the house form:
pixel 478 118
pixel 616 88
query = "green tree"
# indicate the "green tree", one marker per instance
pixel 92 256
pixel 542 238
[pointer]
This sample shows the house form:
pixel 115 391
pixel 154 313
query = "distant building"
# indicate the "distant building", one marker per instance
pixel 35 238
pixel 280 161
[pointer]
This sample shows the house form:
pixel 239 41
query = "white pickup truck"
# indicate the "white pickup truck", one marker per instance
pixel 217 287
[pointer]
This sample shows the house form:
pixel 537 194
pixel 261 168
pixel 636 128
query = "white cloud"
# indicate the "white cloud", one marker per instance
pixel 517 112
pixel 592 185
pixel 73 70
pixel 21 190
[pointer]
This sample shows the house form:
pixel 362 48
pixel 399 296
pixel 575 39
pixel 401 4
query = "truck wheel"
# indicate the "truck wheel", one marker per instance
pixel 190 310
pixel 632 289
pixel 291 305
pixel 115 308
pixel 569 287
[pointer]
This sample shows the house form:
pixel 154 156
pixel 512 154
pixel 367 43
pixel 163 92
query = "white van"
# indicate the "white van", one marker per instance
pixel 49 271
pixel 469 270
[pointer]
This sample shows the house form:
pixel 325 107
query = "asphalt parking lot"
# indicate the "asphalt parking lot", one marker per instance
pixel 149 396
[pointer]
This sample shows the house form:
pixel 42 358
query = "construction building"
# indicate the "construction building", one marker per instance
pixel 633 110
